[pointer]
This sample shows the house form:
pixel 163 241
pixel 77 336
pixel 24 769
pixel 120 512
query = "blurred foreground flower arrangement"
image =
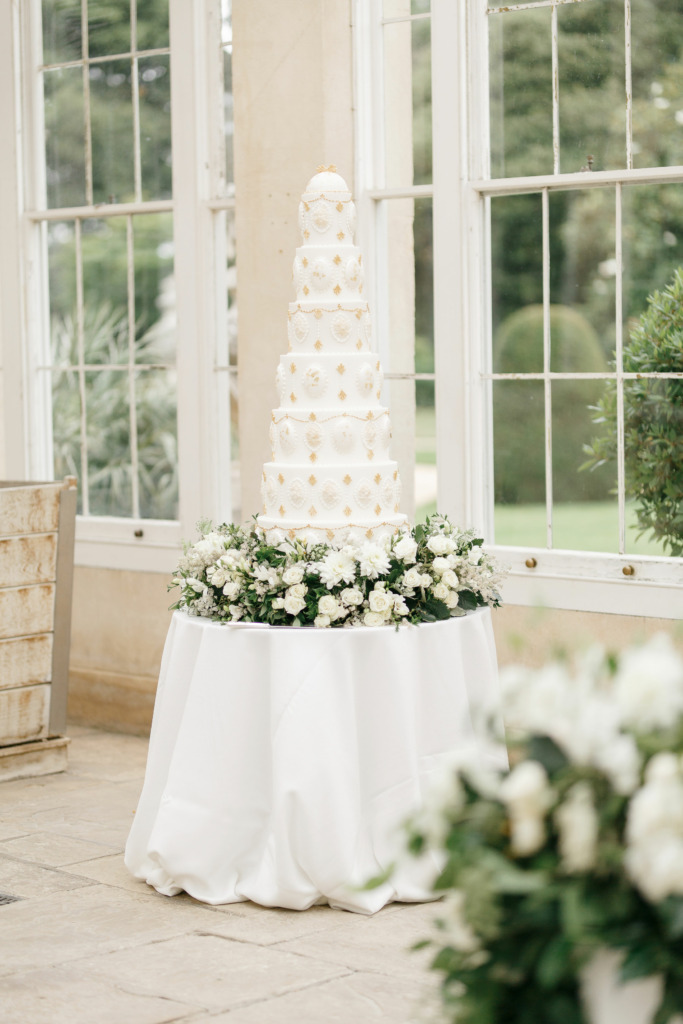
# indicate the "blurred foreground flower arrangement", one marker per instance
pixel 572 862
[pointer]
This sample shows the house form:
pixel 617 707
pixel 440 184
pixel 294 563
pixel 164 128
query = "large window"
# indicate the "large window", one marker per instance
pixel 123 146
pixel 554 175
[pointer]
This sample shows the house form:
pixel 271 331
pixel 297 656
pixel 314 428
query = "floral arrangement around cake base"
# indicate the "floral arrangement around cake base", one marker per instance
pixel 430 572
pixel 572 863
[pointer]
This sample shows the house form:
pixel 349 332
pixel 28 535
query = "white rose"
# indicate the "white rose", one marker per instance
pixel 578 825
pixel 426 580
pixel 298 590
pixel 196 585
pixel 527 834
pixel 278 603
pixel 352 596
pixel 406 549
pixel 231 589
pixel 381 602
pixel 294 605
pixel 439 565
pixel 619 759
pixel 373 619
pixel 236 612
pixel 475 556
pixel 321 621
pixel 293 575
pixel 441 591
pixel 452 599
pixel 654 830
pixel 438 544
pixel 400 606
pixel 412 578
pixel 230 558
pixel 449 578
pixel 327 606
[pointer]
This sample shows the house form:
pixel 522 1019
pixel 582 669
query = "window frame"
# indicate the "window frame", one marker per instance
pixel 199 198
pixel 577 580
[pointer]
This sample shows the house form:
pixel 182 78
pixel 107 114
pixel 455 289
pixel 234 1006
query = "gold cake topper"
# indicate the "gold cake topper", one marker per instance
pixel 321 169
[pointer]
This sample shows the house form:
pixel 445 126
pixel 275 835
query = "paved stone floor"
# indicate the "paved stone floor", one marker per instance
pixel 88 944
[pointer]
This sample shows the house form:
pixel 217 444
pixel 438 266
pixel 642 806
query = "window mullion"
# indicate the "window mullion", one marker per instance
pixel 547 387
pixel 556 90
pixel 135 95
pixel 87 121
pixel 619 332
pixel 132 405
pixel 628 84
pixel 80 342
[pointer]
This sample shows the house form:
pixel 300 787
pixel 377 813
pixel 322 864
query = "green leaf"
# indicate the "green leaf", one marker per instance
pixel 555 962
pixel 640 962
pixel 467 600
pixel 381 879
pixel 546 752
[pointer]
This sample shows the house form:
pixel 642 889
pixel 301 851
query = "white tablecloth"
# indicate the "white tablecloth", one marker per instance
pixel 282 761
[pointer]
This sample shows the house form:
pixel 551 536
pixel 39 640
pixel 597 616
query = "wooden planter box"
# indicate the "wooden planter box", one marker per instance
pixel 37 525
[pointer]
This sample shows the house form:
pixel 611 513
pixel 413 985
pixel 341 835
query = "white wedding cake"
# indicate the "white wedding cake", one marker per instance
pixel 330 478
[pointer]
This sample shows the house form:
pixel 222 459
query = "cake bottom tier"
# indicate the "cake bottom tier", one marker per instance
pixel 331 531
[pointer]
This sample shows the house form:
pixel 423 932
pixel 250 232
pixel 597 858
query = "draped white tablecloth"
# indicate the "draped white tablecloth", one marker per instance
pixel 282 761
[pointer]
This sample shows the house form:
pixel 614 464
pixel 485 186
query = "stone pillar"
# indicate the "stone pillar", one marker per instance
pixel 292 81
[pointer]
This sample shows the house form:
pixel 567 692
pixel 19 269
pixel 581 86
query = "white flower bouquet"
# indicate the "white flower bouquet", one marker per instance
pixel 430 572
pixel 577 851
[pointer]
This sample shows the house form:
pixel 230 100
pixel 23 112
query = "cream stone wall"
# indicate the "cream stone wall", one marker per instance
pixel 292 81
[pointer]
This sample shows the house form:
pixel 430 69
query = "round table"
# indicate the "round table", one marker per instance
pixel 282 762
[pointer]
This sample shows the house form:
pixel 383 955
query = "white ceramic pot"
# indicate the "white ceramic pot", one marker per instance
pixel 609 1001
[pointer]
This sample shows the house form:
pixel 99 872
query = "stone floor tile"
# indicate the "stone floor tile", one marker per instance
pixel 20 879
pixel 381 943
pixel 108 756
pixel 112 871
pixel 86 921
pixel 355 999
pixel 52 850
pixel 249 922
pixel 213 972
pixel 64 995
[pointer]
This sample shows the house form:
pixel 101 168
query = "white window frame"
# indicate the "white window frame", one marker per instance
pixel 621 583
pixel 199 199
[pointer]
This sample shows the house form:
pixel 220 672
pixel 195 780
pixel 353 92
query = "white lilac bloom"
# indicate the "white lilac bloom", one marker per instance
pixel 374 560
pixel 649 685
pixel 578 826
pixel 654 830
pixel 210 547
pixel 336 567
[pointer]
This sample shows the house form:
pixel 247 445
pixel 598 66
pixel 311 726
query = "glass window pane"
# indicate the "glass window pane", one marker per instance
pixel 155 309
pixel 105 290
pixel 657 80
pixel 152 24
pixel 61 260
pixel 583 280
pixel 519 462
pixel 521 93
pixel 109 27
pixel 228 119
pixel 66 428
pixel 517 284
pixel 154 83
pixel 585 510
pixel 64 137
pixel 408 103
pixel 155 395
pixel 111 111
pixel 652 218
pixel 425 450
pixel 61 31
pixel 592 96
pixel 424 286
pixel 110 470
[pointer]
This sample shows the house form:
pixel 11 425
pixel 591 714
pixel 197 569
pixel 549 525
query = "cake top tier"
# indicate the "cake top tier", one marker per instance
pixel 327 214
pixel 327 182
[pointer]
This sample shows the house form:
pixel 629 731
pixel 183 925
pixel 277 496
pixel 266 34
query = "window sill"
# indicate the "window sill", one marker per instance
pixel 111 543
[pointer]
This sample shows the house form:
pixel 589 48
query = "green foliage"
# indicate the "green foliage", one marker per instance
pixel 519 453
pixel 653 418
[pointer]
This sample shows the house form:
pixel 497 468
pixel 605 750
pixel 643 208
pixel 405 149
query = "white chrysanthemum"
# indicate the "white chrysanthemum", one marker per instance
pixel 374 560
pixel 337 567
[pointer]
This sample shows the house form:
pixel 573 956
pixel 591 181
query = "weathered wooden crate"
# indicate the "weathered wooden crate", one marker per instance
pixel 37 522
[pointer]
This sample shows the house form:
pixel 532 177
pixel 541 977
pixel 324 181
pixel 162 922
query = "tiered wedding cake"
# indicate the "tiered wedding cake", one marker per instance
pixel 331 478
